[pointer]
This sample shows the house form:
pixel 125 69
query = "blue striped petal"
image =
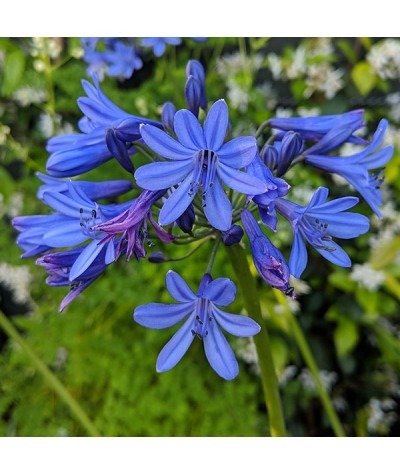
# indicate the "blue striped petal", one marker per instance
pixel 161 315
pixel 237 325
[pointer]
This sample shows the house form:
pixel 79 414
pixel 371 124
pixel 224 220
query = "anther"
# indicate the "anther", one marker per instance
pixel 289 290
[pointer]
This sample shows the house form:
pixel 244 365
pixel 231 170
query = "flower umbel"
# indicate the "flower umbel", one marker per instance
pixel 203 318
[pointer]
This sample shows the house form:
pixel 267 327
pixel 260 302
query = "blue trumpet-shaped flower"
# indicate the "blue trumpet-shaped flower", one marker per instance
pixel 314 128
pixel 354 168
pixel 122 60
pixel 317 223
pixel 94 190
pixel 59 265
pixel 203 318
pixel 199 161
pixel 268 260
pixel 108 132
pixel 72 224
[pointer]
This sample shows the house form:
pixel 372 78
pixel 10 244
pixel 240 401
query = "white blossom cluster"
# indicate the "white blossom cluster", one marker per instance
pixel 328 379
pixel 384 57
pixel 367 277
pixel 27 95
pixel 310 61
pixel 381 414
pixel 17 279
pixel 246 350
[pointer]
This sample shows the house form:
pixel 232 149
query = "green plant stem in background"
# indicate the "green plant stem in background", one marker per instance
pixel 305 350
pixel 49 377
pixel 268 374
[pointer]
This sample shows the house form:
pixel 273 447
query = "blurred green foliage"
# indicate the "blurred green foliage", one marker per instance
pixel 106 361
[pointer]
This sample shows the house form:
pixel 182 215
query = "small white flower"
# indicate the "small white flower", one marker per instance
pixel 367 277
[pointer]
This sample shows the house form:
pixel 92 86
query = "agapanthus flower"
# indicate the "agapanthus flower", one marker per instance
pixel 108 132
pixel 159 43
pixel 317 223
pixel 122 60
pixel 71 225
pixel 203 318
pixel 276 187
pixel 131 226
pixel 314 128
pixel 354 168
pixel 94 190
pixel 268 260
pixel 58 265
pixel 199 161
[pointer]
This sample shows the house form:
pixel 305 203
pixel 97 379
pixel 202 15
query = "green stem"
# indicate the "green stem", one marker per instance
pixel 312 365
pixel 261 340
pixel 213 254
pixel 49 377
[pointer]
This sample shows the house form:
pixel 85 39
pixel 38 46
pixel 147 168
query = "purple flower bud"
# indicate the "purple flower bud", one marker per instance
pixel 186 220
pixel 292 146
pixel 269 262
pixel 270 156
pixel 167 116
pixel 193 95
pixel 157 257
pixel 195 68
pixel 233 235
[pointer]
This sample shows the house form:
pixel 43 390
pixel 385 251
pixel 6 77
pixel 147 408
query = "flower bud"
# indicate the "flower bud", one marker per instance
pixel 167 115
pixel 232 236
pixel 292 146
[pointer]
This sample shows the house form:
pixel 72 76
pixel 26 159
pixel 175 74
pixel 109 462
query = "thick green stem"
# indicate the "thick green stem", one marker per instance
pixel 261 340
pixel 312 365
pixel 49 377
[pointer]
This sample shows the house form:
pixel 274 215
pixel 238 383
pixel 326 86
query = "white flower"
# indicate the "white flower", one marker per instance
pixel 367 277
pixel 17 279
pixel 384 57
pixel 27 95
pixel 322 77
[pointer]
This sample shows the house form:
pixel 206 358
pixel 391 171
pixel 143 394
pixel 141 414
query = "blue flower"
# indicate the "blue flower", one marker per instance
pixel 59 265
pixel 276 187
pixel 159 43
pixel 122 60
pixel 313 223
pixel 354 168
pixel 314 128
pixel 108 132
pixel 199 161
pixel 94 190
pixel 203 318
pixel 268 260
pixel 73 224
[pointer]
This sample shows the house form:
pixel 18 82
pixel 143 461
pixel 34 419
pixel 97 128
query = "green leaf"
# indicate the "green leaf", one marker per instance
pixel 364 77
pixel 346 337
pixel 14 66
pixel 347 50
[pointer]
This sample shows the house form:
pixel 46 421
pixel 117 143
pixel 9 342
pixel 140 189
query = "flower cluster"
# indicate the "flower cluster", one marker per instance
pixel 121 57
pixel 201 182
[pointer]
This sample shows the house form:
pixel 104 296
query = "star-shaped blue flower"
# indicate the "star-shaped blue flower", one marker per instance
pixel 203 318
pixel 199 161
pixel 317 223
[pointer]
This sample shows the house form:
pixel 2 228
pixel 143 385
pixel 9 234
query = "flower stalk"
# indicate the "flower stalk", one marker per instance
pixel 261 340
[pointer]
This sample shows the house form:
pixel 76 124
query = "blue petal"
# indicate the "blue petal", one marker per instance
pixel 159 175
pixel 85 259
pixel 218 208
pixel 177 346
pixel 178 288
pixel 177 203
pixel 189 131
pixel 220 291
pixel 163 144
pixel 110 253
pixel 298 256
pixel 216 125
pixel 161 315
pixel 239 152
pixel 219 353
pixel 237 325
pixel 344 225
pixel 240 181
pixel 319 197
pixel 338 256
pixel 65 235
pixel 378 159
pixel 335 206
